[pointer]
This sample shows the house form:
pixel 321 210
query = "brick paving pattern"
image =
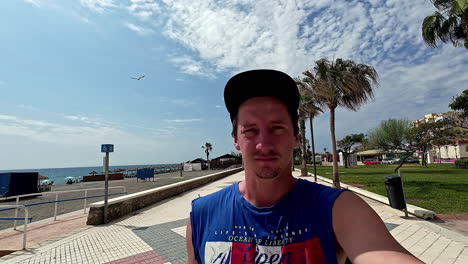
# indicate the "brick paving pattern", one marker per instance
pixel 146 257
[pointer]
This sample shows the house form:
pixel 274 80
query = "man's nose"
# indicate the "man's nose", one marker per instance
pixel 265 141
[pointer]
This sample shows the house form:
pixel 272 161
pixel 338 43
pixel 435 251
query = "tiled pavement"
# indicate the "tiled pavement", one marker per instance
pixel 156 235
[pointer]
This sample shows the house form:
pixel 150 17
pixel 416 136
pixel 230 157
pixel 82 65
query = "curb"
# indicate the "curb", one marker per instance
pixel 124 205
pixel 412 209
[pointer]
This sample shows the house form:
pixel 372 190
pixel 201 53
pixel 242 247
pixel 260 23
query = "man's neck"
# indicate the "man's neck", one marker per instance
pixel 266 192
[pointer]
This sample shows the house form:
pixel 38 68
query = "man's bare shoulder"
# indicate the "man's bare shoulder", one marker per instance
pixel 363 235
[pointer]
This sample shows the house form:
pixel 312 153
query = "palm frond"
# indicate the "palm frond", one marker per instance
pixel 432 29
pixel 308 105
pixel 341 83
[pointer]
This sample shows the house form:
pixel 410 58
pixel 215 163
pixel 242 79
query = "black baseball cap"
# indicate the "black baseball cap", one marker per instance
pixel 262 82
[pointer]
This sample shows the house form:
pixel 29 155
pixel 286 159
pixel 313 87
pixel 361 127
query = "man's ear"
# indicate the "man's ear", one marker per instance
pixel 236 145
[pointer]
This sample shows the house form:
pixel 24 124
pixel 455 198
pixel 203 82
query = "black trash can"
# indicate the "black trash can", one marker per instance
pixel 395 194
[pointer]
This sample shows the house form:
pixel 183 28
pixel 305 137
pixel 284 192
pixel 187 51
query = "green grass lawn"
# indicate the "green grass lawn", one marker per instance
pixel 441 188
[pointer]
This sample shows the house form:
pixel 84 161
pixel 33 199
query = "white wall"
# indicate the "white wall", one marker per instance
pixel 451 152
pixel 192 166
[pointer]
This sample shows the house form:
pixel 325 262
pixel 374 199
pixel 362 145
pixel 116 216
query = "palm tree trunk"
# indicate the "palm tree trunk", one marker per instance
pixel 313 147
pixel 423 159
pixel 345 157
pixel 303 146
pixel 440 156
pixel 336 178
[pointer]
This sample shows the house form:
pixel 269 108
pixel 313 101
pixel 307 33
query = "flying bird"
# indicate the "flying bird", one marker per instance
pixel 139 78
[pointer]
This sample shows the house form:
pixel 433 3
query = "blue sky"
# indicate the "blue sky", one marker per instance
pixel 66 67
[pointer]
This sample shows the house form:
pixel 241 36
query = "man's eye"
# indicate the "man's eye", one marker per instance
pixel 249 132
pixel 278 130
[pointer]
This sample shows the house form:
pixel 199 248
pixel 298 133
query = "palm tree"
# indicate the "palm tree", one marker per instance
pixel 208 148
pixel 313 111
pixel 307 109
pixel 340 83
pixel 448 24
pixel 302 118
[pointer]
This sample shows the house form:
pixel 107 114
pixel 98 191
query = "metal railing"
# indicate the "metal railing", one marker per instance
pixel 26 219
pixel 85 198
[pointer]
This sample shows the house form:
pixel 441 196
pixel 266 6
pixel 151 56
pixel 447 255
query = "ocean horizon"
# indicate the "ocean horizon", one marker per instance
pixel 58 175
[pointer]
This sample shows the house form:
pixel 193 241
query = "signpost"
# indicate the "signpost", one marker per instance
pixel 107 148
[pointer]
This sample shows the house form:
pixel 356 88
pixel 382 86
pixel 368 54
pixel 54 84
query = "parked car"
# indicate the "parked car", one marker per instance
pixel 411 160
pixel 388 161
pixel 371 162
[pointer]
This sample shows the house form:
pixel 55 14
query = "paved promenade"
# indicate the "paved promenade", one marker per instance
pixel 157 234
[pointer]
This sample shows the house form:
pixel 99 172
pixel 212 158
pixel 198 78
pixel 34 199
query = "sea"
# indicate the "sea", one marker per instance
pixel 58 175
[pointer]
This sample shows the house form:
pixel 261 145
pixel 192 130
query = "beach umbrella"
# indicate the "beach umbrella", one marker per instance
pixel 42 177
pixel 93 172
pixel 45 181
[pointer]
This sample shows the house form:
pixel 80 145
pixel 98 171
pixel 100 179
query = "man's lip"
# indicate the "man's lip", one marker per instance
pixel 265 158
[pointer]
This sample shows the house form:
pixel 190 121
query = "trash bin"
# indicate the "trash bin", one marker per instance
pixel 395 194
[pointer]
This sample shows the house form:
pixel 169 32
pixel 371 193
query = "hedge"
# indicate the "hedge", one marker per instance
pixel 461 164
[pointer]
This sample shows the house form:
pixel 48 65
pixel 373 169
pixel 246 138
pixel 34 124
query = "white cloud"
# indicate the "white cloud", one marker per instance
pixel 423 87
pixel 84 19
pixel 183 120
pixel 168 131
pixel 28 107
pixel 234 35
pixel 36 3
pixel 98 6
pixel 72 117
pixel 44 131
pixel 88 120
pixel 156 132
pixel 218 106
pixel 183 101
pixel 7 117
pixel 138 29
pixel 144 8
pixel 190 66
pixel 87 132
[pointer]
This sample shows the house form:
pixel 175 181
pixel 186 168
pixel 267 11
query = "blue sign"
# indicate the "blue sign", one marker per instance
pixel 107 148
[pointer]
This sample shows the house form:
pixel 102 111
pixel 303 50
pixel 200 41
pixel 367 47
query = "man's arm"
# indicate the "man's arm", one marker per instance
pixel 189 245
pixel 362 234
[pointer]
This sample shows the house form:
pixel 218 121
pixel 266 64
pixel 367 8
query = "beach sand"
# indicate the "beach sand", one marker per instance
pixel 44 211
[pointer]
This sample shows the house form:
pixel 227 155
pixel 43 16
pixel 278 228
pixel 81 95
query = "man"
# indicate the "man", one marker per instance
pixel 272 217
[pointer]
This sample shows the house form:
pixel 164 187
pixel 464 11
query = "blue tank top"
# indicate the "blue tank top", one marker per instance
pixel 297 229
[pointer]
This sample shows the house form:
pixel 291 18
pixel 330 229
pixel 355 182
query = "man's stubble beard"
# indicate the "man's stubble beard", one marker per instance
pixel 267 173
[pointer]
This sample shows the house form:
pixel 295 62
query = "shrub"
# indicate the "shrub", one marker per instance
pixel 461 164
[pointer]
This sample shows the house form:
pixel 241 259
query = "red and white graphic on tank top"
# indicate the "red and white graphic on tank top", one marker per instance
pixel 309 252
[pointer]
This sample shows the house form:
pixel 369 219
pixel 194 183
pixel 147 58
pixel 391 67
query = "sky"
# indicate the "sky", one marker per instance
pixel 66 65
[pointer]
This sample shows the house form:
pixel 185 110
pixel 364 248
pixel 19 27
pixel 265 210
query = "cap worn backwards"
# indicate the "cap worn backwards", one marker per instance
pixel 264 82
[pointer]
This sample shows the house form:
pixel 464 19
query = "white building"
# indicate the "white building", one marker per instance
pixel 455 150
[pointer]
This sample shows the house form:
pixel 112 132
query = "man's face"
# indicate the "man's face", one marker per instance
pixel 265 136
